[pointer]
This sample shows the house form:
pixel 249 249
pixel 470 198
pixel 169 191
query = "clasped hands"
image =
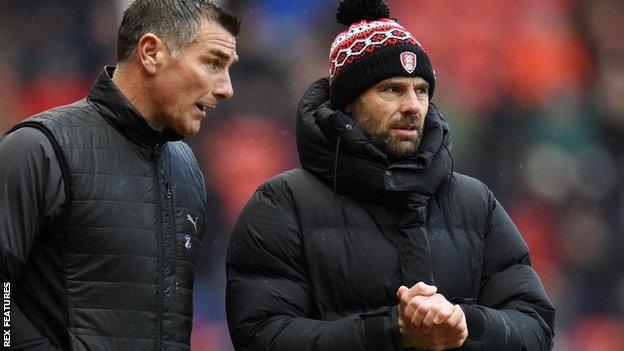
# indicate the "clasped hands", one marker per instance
pixel 428 321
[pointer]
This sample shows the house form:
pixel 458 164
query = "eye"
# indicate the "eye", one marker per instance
pixel 422 90
pixel 392 89
pixel 213 64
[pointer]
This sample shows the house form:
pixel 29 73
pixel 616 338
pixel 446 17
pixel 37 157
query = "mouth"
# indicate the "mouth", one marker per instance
pixel 405 127
pixel 405 131
pixel 202 109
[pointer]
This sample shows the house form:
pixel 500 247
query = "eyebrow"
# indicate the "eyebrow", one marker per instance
pixel 400 81
pixel 223 55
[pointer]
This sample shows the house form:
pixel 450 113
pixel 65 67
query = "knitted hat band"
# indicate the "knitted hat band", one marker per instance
pixel 371 51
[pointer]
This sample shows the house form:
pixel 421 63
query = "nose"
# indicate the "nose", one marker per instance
pixel 224 89
pixel 411 104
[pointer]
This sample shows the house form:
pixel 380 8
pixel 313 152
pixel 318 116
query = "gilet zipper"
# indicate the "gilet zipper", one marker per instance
pixel 161 253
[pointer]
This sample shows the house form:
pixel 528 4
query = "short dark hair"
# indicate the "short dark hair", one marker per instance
pixel 176 22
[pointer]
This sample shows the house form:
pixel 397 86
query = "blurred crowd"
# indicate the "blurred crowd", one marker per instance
pixel 533 89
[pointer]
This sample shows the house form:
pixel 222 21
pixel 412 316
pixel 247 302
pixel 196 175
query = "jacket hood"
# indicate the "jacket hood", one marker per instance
pixel 336 150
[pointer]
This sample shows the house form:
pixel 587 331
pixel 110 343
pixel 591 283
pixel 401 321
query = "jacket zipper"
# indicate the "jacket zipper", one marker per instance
pixel 172 233
pixel 161 254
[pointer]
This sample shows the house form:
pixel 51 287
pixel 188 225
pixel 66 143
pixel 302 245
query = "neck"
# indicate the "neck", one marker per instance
pixel 129 81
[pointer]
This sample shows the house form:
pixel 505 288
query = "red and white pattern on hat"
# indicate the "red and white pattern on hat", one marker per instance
pixel 363 38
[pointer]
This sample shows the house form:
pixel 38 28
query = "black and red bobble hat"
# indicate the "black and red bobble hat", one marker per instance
pixel 374 47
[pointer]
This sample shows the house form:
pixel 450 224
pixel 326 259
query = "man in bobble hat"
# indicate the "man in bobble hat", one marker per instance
pixel 374 243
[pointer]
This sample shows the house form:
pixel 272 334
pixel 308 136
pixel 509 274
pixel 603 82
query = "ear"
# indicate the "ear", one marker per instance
pixel 150 50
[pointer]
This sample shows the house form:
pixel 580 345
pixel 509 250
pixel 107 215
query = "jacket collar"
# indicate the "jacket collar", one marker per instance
pixel 120 113
pixel 335 149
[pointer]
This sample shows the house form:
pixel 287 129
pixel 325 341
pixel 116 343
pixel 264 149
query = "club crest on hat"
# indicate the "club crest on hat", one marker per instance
pixel 408 60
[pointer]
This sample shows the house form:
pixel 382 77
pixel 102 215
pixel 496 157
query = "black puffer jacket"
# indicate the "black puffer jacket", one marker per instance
pixel 319 252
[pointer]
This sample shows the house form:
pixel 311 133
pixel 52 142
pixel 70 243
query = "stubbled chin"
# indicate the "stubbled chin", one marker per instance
pixel 188 130
pixel 402 146
pixel 193 131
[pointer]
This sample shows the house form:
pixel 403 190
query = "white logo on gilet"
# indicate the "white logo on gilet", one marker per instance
pixel 194 222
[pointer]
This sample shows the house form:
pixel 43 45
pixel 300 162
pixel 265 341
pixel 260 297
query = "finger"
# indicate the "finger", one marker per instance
pixel 428 321
pixel 444 314
pixel 425 303
pixel 422 288
pixel 404 305
pixel 401 307
pixel 412 305
pixel 462 326
pixel 419 289
pixel 404 298
pixel 405 295
pixel 460 339
pixel 464 332
pixel 455 318
pixel 401 291
pixel 461 331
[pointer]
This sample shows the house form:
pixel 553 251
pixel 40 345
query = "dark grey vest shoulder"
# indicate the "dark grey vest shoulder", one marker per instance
pixel 134 223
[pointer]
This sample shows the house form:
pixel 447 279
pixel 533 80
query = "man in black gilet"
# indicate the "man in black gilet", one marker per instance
pixel 102 206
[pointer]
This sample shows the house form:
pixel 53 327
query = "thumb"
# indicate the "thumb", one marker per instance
pixel 401 291
pixel 424 289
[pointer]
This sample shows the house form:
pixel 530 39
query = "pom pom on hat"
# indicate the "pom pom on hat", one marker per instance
pixel 353 11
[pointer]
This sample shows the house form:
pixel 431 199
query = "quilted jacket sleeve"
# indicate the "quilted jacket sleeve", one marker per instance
pixel 268 301
pixel 513 311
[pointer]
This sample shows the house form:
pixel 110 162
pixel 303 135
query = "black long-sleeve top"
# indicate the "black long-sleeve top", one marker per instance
pixel 32 196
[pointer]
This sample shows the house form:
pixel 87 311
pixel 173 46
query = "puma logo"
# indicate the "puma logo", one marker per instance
pixel 194 222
